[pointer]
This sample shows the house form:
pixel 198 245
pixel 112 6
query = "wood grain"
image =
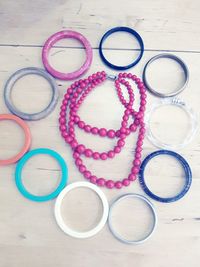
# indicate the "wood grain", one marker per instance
pixel 29 235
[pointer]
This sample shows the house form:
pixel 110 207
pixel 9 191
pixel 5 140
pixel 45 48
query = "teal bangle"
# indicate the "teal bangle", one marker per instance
pixel 22 162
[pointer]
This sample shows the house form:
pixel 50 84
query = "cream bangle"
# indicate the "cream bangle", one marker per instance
pixel 60 220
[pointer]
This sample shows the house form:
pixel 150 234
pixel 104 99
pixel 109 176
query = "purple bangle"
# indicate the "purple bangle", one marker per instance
pixel 61 35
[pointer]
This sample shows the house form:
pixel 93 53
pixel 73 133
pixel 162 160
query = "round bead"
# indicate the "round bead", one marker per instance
pixel 117 149
pixel 75 155
pixel 126 182
pixel 87 174
pixel 136 162
pixel 81 124
pixel 73 144
pixel 111 154
pixel 96 155
pixel 121 143
pixel 68 139
pixel 138 155
pixel 94 130
pixel 103 156
pixel 118 185
pixel 80 149
pixel 101 181
pixel 82 168
pixel 132 177
pixel 87 128
pixel 135 170
pixel 117 134
pixel 110 184
pixel 88 153
pixel 93 179
pixel 123 130
pixel 111 133
pixel 78 162
pixel 102 132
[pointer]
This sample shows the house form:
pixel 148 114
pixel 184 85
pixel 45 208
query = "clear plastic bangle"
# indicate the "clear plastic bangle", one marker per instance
pixel 192 130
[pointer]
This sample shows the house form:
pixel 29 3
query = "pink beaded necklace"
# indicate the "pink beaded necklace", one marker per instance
pixel 75 96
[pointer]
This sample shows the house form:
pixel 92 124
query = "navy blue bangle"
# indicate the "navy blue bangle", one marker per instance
pixel 121 29
pixel 185 165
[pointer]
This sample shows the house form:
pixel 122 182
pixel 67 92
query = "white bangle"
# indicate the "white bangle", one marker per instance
pixel 192 130
pixel 60 220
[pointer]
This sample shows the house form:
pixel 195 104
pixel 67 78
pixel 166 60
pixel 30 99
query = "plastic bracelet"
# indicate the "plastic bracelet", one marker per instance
pixel 27 135
pixel 55 38
pixel 60 220
pixel 121 29
pixel 118 236
pixel 8 90
pixel 173 57
pixel 187 170
pixel 22 162
pixel 192 130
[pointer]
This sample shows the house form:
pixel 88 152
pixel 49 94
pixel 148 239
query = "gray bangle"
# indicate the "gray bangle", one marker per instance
pixel 119 237
pixel 8 90
pixel 178 60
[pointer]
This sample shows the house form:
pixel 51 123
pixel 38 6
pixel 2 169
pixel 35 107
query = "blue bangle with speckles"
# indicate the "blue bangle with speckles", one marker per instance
pixel 187 170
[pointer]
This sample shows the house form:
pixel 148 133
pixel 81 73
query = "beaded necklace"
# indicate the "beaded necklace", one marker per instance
pixel 73 99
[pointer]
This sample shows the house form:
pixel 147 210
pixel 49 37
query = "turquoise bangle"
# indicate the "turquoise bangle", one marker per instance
pixel 22 162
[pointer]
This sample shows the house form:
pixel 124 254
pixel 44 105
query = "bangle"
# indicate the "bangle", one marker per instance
pixel 121 29
pixel 156 92
pixel 192 129
pixel 27 135
pixel 59 217
pixel 22 162
pixel 61 35
pixel 186 168
pixel 118 236
pixel 8 91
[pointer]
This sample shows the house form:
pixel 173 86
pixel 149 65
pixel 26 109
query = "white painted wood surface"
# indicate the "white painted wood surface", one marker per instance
pixel 29 235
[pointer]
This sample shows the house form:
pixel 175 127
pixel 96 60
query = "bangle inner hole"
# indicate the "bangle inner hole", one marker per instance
pixel 164 176
pixel 170 124
pixel 165 75
pixel 81 209
pixel 132 219
pixel 121 48
pixel 29 90
pixel 11 139
pixel 67 55
pixel 41 175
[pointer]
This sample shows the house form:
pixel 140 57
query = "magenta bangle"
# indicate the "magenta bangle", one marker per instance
pixel 55 38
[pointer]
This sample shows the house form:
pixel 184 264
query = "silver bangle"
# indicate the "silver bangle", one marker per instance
pixel 8 90
pixel 177 59
pixel 192 129
pixel 119 237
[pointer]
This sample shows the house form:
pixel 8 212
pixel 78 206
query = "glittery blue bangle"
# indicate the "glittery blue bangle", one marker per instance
pixel 121 29
pixel 20 165
pixel 187 170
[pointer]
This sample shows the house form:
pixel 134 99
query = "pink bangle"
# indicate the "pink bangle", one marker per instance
pixel 61 35
pixel 27 142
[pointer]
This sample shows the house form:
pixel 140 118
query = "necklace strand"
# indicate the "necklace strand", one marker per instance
pixel 73 99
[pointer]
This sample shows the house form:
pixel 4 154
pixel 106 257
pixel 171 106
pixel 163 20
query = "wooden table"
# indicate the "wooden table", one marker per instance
pixel 29 235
